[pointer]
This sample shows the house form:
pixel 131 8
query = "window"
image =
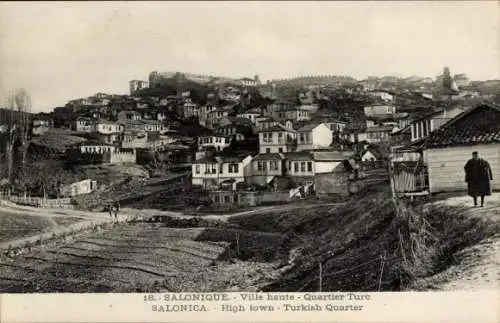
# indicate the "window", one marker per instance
pixel 211 169
pixel 216 199
pixel 227 199
pixel 268 150
pixel 274 165
pixel 197 169
pixel 280 150
pixel 309 166
pixel 233 168
pixel 302 139
pixel 296 167
pixel 280 137
pixel 303 166
pixel 260 166
pixel 221 168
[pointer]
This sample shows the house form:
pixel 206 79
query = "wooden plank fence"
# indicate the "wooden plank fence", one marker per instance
pixel 61 203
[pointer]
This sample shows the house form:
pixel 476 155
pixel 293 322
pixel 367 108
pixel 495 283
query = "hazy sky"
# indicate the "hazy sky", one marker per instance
pixel 60 51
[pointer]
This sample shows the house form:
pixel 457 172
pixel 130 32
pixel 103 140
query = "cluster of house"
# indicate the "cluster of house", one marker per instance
pixel 293 149
pixel 275 144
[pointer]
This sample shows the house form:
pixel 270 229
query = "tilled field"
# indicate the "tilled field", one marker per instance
pixel 127 258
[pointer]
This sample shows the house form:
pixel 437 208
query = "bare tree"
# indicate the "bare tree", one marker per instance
pixel 17 129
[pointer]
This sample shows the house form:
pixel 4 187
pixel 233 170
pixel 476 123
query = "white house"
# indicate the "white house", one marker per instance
pixel 153 126
pixel 304 165
pixel 374 110
pixel 107 127
pixel 204 110
pixel 219 142
pixel 313 136
pixel 189 109
pixel 78 188
pixel 368 156
pixel 265 167
pixel 382 95
pixel 136 85
pixel 379 134
pixel 358 136
pixel 250 115
pixel 423 126
pixel 212 172
pixel 294 113
pixel 449 148
pixel 129 115
pixel 248 82
pixel 83 124
pixel 214 116
pixel 277 139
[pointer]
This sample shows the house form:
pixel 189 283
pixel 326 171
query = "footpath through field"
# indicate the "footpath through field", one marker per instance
pixel 45 223
pixel 477 267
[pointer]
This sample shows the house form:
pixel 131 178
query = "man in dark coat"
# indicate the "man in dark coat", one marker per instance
pixel 117 208
pixel 478 176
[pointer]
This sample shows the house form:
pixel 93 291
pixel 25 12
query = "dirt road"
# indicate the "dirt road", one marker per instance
pixel 477 267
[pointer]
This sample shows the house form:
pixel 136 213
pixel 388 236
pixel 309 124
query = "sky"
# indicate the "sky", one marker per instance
pixel 60 51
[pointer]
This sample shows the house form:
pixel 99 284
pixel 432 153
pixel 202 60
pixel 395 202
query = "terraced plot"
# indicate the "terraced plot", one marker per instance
pixel 128 258
pixel 14 225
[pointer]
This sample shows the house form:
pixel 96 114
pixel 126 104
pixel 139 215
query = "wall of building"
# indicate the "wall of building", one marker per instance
pixel 109 128
pixel 329 184
pixel 242 175
pixel 379 109
pixel 78 188
pixel 446 166
pixel 325 166
pixel 263 177
pixel 275 144
pixel 322 136
pixel 123 156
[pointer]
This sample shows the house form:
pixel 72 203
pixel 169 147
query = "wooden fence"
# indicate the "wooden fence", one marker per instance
pixel 62 203
pixel 410 178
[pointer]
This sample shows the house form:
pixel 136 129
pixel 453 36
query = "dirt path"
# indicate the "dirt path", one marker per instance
pixel 225 217
pixel 478 267
pixel 80 220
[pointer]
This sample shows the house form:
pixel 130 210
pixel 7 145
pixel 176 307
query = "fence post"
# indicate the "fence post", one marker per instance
pixel 320 277
pixel 382 264
pixel 238 243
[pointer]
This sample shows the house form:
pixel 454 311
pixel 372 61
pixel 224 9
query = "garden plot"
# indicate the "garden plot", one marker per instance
pixel 125 258
pixel 15 226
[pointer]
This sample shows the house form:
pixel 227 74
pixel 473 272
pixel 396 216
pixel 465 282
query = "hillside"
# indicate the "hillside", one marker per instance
pixel 353 241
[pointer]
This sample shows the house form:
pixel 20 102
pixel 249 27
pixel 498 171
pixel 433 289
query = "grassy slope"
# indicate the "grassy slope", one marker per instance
pixel 349 241
pixel 13 226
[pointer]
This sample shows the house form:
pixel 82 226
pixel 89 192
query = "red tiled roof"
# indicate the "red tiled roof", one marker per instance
pixel 480 125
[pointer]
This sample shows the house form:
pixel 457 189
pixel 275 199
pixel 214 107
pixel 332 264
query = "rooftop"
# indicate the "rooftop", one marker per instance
pixel 277 127
pixel 269 156
pixel 319 155
pixel 218 159
pixel 309 126
pixel 379 128
pixel 479 125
